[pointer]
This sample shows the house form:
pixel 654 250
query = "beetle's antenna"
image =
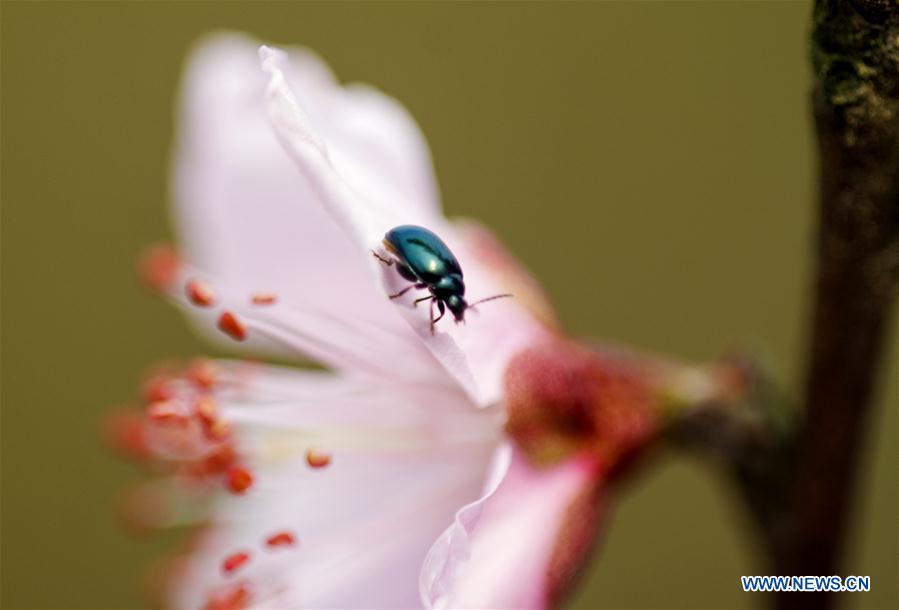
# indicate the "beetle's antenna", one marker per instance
pixel 494 297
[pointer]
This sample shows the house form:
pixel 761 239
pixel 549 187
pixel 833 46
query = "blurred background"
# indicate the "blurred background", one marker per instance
pixel 652 163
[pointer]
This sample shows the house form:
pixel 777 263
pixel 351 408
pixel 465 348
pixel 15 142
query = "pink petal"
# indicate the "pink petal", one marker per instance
pixel 519 544
pixel 358 206
pixel 363 524
pixel 304 328
pixel 475 355
pixel 249 222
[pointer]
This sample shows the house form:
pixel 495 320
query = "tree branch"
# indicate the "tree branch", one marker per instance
pixel 797 470
pixel 856 105
pixel 797 474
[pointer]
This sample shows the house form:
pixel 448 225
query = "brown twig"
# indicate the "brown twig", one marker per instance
pixel 856 106
pixel 798 480
pixel 796 469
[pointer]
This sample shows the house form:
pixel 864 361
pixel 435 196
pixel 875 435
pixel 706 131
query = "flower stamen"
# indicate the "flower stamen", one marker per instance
pixel 200 293
pixel 234 562
pixel 157 389
pixel 165 412
pixel 231 326
pixel 263 298
pixel 206 410
pixel 158 267
pixel 317 458
pixel 280 539
pixel 203 373
pixel 239 479
pixel 234 599
pixel 217 430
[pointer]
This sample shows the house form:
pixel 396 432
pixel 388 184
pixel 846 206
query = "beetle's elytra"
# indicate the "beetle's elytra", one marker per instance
pixel 421 257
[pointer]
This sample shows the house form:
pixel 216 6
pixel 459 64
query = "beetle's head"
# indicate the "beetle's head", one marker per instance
pixel 451 290
pixel 457 305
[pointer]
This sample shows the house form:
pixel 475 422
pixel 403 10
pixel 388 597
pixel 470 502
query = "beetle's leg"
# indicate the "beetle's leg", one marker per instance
pixel 397 295
pixel 417 301
pixel 434 320
pixel 405 272
pixel 386 261
pixel 407 289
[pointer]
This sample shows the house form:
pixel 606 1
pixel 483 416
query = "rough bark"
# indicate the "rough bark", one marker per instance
pixel 797 470
pixel 855 51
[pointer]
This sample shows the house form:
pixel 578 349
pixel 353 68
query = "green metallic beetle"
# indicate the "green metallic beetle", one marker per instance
pixel 426 261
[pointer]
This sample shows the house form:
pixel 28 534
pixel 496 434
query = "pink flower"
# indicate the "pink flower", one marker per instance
pixel 388 480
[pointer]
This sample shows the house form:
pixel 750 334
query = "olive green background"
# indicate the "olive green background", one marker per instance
pixel 652 163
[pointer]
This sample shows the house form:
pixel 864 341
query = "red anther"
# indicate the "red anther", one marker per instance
pixel 239 479
pixel 280 539
pixel 203 373
pixel 206 410
pixel 158 266
pixel 165 412
pixel 234 599
pixel 234 561
pixel 200 293
pixel 125 431
pixel 263 298
pixel 157 389
pixel 317 459
pixel 217 430
pixel 231 326
pixel 220 460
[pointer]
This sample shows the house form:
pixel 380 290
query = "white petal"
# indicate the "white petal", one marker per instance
pixel 400 469
pixel 303 328
pixel 363 212
pixel 248 220
pixel 475 356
